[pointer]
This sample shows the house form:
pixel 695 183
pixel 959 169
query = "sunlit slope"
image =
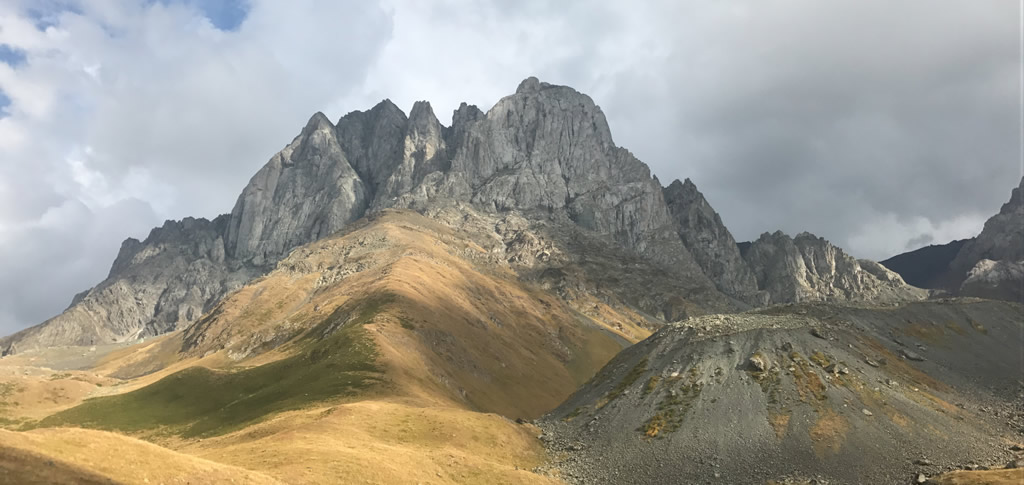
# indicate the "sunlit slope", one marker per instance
pixel 93 457
pixel 398 351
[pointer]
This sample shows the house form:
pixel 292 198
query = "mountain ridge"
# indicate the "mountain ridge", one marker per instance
pixel 989 265
pixel 544 151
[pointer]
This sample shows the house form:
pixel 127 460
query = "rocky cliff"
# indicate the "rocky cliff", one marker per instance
pixel 1002 240
pixel 545 151
pixel 997 280
pixel 711 244
pixel 809 268
pixel 988 265
pixel 154 286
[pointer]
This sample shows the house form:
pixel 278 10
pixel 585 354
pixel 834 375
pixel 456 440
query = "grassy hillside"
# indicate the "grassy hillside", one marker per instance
pixel 397 352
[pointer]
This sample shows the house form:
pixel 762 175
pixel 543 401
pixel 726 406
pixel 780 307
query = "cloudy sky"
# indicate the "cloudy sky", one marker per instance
pixel 880 125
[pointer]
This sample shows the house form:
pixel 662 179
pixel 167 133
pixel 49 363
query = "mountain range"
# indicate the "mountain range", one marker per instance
pixel 513 298
pixel 545 151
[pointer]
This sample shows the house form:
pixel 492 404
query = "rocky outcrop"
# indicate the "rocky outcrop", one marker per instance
pixel 305 192
pixel 998 280
pixel 548 148
pixel 809 268
pixel 987 266
pixel 1002 239
pixel 711 244
pixel 154 286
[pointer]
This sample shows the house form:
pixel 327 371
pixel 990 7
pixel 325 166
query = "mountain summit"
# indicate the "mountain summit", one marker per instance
pixel 545 152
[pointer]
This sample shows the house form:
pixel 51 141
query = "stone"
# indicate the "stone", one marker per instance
pixel 759 363
pixel 921 478
pixel 1000 280
pixel 910 355
pixel 837 369
pixel 866 412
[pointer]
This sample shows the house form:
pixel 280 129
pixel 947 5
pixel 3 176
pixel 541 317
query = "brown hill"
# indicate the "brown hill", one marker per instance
pixel 383 351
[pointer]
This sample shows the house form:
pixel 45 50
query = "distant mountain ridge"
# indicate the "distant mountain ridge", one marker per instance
pixel 925 267
pixel 545 151
pixel 990 265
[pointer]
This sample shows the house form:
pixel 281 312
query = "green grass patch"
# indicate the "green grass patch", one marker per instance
pixel 769 381
pixel 573 414
pixel 630 378
pixel 652 384
pixel 335 359
pixel 819 358
pixel 956 328
pixel 673 405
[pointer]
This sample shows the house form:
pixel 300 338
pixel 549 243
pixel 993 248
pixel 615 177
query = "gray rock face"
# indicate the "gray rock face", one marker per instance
pixel 305 192
pixel 711 244
pixel 548 148
pixel 1002 239
pixel 999 280
pixel 154 286
pixel 809 268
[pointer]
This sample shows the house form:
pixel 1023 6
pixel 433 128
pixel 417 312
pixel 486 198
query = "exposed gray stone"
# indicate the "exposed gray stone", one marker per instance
pixel 710 243
pixel 305 192
pixel 1000 280
pixel 809 268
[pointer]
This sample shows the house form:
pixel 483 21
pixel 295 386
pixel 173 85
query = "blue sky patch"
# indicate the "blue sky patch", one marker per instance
pixel 12 56
pixel 4 103
pixel 225 15
pixel 45 13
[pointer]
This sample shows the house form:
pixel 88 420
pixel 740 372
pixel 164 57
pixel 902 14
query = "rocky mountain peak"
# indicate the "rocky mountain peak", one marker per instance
pixel 317 122
pixel 465 114
pixel 710 242
pixel 1016 202
pixel 530 85
pixel 422 116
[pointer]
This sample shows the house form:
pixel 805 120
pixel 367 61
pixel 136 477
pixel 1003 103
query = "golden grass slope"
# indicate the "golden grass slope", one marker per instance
pixel 448 329
pixel 457 346
pixel 88 456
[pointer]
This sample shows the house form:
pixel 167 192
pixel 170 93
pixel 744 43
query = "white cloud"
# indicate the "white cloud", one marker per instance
pixel 887 235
